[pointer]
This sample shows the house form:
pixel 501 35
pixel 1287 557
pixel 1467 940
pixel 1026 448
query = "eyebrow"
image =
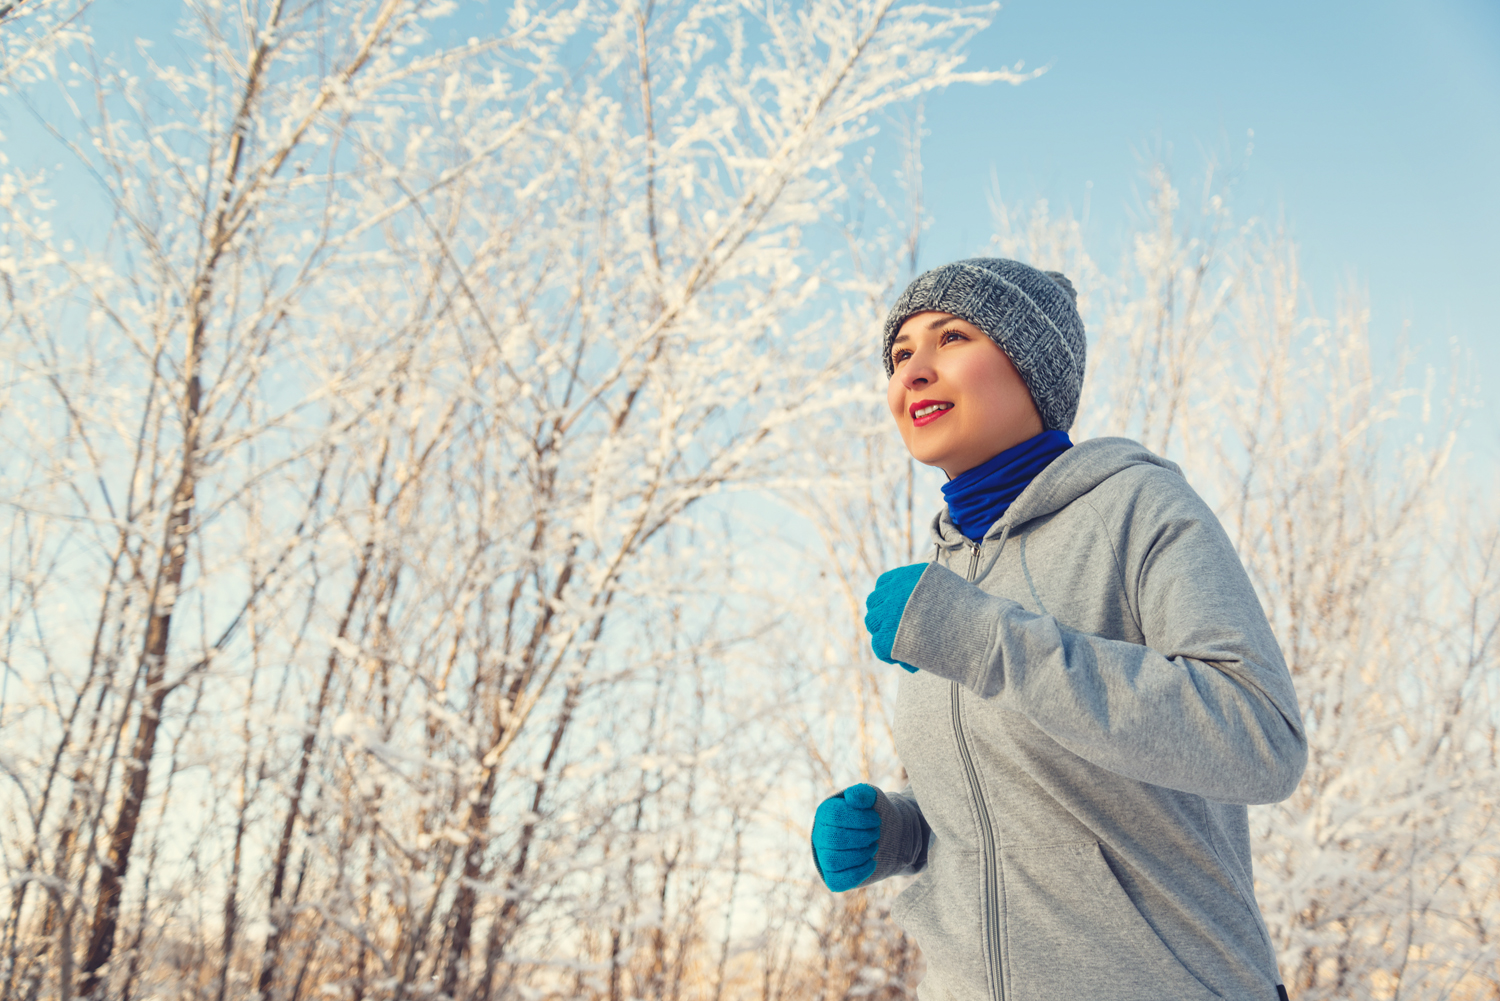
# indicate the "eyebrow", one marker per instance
pixel 932 325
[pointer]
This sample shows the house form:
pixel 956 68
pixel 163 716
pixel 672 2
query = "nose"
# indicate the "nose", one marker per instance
pixel 918 371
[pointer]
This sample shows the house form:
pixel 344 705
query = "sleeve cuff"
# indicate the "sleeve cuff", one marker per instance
pixel 949 628
pixel 903 838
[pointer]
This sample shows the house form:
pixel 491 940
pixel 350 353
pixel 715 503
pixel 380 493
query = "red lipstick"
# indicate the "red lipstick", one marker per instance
pixel 927 411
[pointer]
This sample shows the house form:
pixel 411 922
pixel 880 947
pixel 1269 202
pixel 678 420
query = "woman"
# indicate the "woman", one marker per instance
pixel 1095 694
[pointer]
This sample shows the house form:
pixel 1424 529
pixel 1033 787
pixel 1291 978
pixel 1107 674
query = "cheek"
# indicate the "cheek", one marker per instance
pixel 1013 399
pixel 976 377
pixel 990 387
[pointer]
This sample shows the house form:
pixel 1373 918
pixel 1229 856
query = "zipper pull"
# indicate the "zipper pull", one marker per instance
pixel 973 561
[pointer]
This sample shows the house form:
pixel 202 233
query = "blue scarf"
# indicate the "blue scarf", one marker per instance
pixel 978 497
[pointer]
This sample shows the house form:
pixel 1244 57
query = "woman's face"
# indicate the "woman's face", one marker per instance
pixel 956 397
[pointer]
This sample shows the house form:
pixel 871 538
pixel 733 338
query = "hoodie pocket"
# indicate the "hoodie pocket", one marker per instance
pixel 1073 934
pixel 943 912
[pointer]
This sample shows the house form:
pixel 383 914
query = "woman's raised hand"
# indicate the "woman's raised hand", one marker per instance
pixel 885 605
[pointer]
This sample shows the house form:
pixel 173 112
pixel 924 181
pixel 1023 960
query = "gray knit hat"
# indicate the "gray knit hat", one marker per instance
pixel 1031 314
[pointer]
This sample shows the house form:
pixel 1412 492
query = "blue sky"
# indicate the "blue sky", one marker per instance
pixel 1376 138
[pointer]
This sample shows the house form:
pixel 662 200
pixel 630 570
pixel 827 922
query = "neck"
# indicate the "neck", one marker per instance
pixel 978 497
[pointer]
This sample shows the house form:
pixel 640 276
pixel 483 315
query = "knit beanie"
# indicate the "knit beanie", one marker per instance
pixel 1031 314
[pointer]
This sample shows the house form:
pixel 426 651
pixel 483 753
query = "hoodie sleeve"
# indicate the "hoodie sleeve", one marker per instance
pixel 1204 706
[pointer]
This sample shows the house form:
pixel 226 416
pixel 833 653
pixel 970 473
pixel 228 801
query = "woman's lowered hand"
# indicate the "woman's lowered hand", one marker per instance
pixel 845 834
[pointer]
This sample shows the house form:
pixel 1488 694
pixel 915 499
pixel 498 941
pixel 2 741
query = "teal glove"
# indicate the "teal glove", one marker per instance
pixel 885 605
pixel 845 834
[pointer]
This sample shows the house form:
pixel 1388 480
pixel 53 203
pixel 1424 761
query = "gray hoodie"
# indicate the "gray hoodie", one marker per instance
pixel 1099 696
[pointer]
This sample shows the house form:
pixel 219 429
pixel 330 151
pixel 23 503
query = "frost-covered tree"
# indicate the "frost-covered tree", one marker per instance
pixel 443 478
pixel 372 624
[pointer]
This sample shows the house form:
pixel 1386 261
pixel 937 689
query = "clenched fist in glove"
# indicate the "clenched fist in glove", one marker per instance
pixel 884 606
pixel 846 831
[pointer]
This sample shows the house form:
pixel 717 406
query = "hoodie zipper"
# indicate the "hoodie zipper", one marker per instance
pixel 991 912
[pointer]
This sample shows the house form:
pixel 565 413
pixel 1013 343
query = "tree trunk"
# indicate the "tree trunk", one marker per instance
pixel 464 903
pixel 500 925
pixel 173 559
pixel 158 632
pixel 270 956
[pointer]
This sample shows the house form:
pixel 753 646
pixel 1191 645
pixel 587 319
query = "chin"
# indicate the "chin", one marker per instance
pixel 928 458
pixel 930 452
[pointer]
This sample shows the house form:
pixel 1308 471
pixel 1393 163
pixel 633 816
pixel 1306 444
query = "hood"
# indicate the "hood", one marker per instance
pixel 1073 474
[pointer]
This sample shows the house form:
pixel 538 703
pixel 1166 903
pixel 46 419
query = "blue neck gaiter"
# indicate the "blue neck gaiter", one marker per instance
pixel 978 497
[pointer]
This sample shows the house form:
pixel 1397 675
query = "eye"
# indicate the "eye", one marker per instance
pixel 900 355
pixel 953 334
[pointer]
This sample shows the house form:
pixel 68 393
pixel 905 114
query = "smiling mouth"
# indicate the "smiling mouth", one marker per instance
pixel 924 412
